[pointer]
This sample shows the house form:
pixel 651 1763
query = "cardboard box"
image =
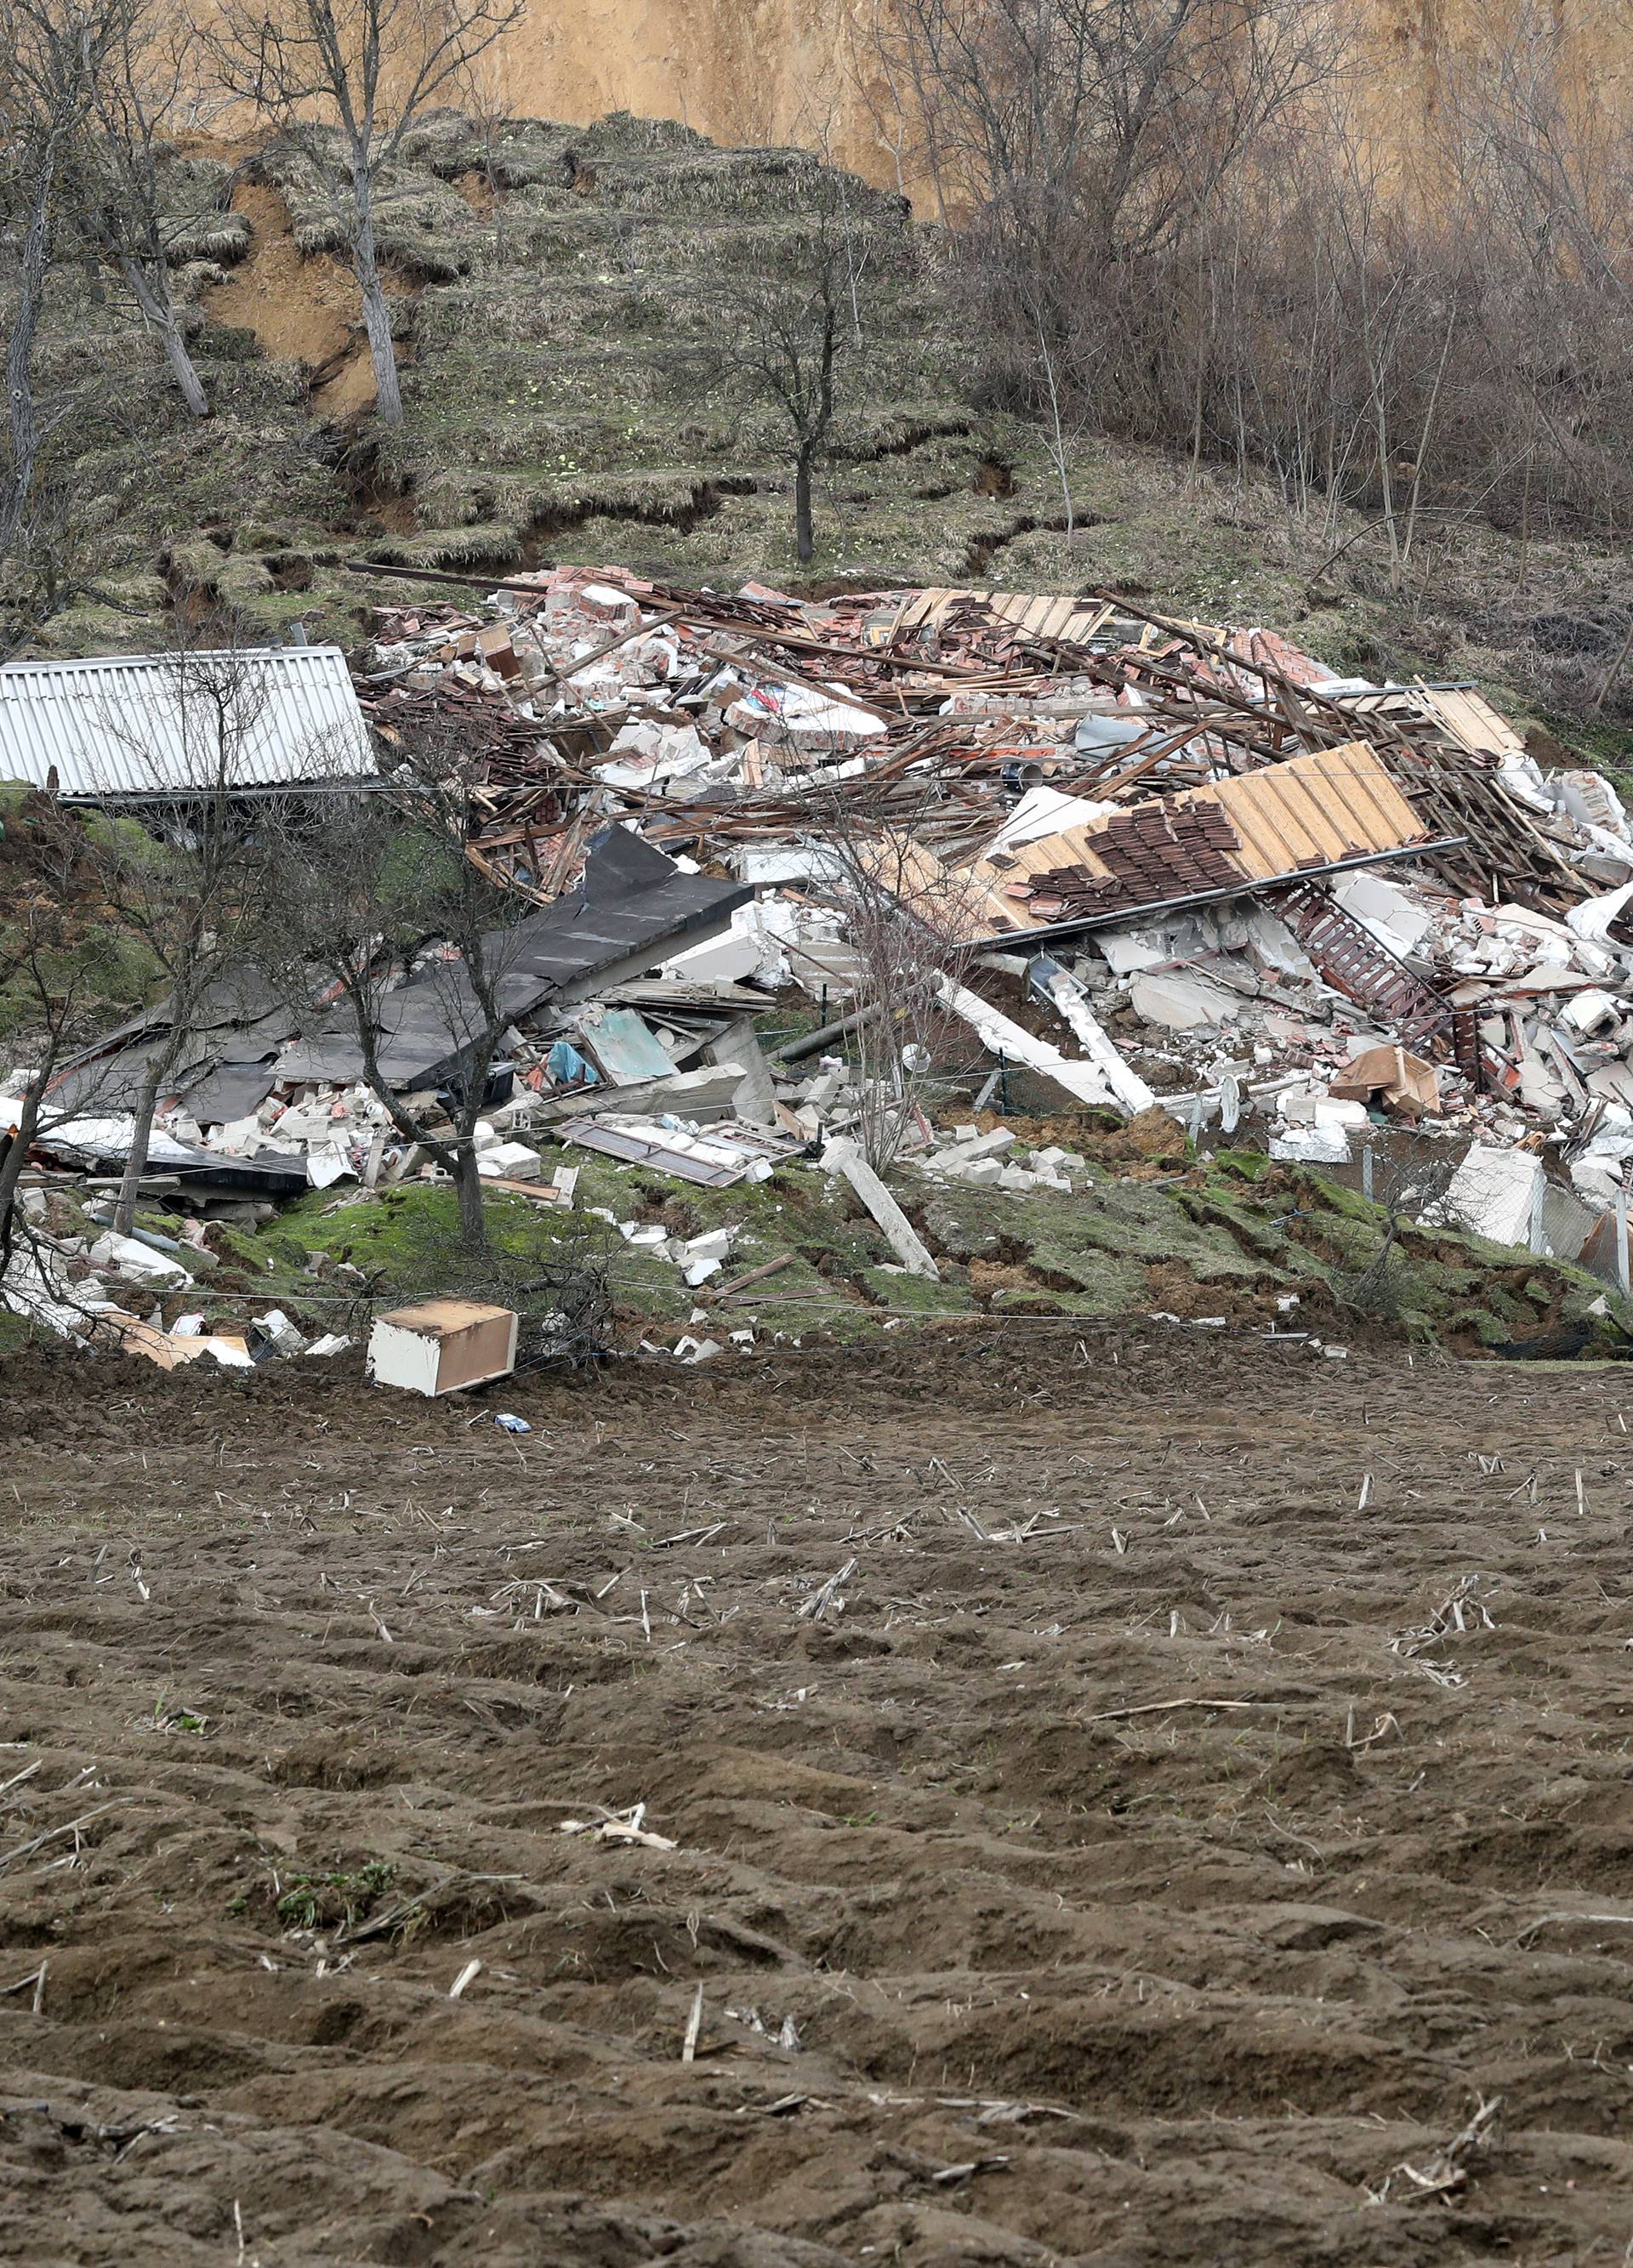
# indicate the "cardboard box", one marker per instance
pixel 443 1346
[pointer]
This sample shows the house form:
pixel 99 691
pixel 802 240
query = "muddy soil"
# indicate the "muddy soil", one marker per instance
pixel 301 309
pixel 1080 1828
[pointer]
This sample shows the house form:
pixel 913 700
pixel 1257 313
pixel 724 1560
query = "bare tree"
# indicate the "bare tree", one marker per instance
pixel 50 54
pixel 1064 401
pixel 345 81
pixel 878 70
pixel 1543 154
pixel 909 920
pixel 380 910
pixel 55 986
pixel 193 901
pixel 1077 146
pixel 481 91
pixel 115 187
pixel 791 331
pixel 1104 118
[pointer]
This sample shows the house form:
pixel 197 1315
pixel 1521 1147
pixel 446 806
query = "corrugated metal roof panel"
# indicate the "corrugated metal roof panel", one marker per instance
pixel 156 725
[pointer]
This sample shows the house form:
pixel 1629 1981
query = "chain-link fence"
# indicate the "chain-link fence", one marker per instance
pixel 1505 1196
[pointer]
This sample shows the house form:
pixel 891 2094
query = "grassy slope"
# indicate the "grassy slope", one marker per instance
pixel 1225 1238
pixel 557 409
pixel 1228 1236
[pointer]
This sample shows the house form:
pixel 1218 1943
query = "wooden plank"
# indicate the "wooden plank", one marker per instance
pixel 1321 805
pixel 1051 615
pixel 1318 807
pixel 1472 722
pixel 1286 814
pixel 1353 778
pixel 1269 845
pixel 1296 824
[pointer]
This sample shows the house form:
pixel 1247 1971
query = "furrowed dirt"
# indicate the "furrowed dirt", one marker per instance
pixel 303 1687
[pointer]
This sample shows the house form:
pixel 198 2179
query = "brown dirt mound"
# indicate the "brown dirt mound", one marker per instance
pixel 302 308
pixel 1000 1962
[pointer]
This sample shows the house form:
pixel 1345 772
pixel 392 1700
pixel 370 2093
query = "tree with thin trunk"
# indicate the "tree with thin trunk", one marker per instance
pixel 791 332
pixel 49 58
pixel 1072 143
pixel 193 898
pixel 378 908
pixel 1107 119
pixel 52 978
pixel 115 187
pixel 910 920
pixel 344 81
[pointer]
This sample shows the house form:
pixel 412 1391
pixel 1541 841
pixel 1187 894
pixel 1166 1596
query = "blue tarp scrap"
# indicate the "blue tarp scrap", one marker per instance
pixel 568 1068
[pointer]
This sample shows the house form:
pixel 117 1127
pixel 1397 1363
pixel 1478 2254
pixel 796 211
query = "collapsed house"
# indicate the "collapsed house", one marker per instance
pixel 1168 864
pixel 1240 883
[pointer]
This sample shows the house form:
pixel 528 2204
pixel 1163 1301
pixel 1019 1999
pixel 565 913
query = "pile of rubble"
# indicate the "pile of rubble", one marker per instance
pixel 1240 884
pixel 83 1286
pixel 1165 864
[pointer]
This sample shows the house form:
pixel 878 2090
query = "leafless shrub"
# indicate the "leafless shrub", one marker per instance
pixel 555 1269
pixel 1405 1188
pixel 909 921
pixel 1181 224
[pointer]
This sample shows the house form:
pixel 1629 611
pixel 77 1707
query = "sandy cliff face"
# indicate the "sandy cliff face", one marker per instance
pixel 742 71
pixel 1413 43
pixel 808 72
pixel 786 71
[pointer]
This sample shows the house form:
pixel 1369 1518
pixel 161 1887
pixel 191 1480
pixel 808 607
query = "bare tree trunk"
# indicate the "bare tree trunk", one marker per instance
pixel 1057 428
pixel 182 369
pixel 473 1227
pixel 22 423
pixel 162 316
pixel 1426 438
pixel 1386 468
pixel 14 1155
pixel 155 1085
pixel 376 312
pixel 141 1141
pixel 804 540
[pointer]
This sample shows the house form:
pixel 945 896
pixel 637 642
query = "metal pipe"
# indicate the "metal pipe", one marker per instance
pixel 813 1042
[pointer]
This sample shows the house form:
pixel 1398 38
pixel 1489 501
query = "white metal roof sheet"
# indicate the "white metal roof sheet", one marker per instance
pixel 158 725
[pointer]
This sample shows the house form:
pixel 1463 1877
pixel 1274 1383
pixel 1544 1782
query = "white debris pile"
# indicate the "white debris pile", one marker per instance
pixel 995 1161
pixel 677 711
pixel 1167 867
pixel 80 1288
pixel 1228 1012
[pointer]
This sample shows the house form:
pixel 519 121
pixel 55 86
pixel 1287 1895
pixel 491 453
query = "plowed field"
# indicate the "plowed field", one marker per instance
pixel 1022 1799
